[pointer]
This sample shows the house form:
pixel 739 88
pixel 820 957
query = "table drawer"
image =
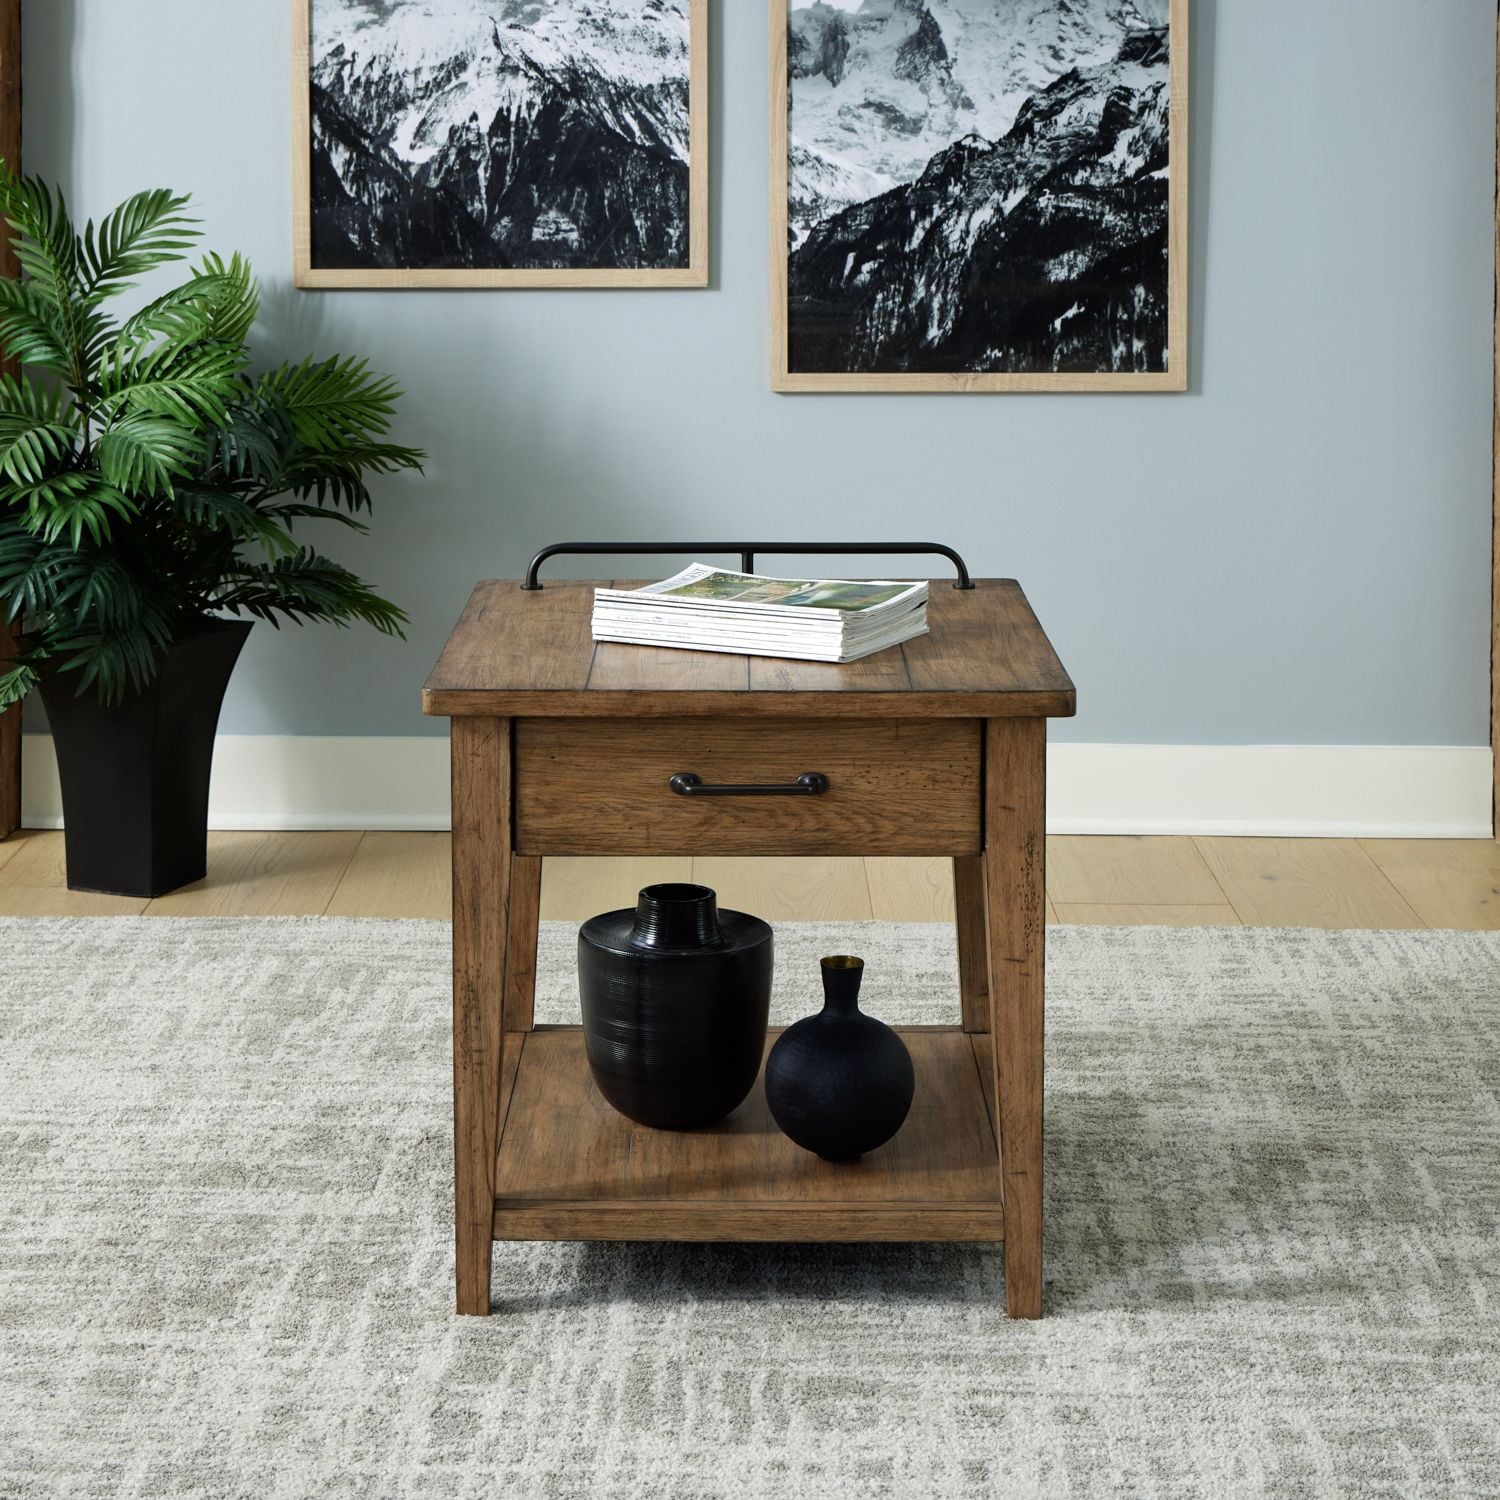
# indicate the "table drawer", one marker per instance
pixel 586 786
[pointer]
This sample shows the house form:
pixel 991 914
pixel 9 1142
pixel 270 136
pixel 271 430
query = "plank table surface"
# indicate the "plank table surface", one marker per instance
pixel 531 653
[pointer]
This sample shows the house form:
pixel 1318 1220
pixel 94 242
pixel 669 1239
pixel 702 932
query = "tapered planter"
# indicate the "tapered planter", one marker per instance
pixel 135 774
pixel 840 1083
pixel 676 995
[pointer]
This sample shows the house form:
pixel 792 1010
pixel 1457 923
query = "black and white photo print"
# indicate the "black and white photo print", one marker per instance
pixel 979 195
pixel 501 143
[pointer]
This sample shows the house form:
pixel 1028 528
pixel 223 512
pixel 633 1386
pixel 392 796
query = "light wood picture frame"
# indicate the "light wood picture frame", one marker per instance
pixel 619 192
pixel 895 268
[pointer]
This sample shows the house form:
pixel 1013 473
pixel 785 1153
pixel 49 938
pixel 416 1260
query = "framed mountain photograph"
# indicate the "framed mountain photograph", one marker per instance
pixel 500 143
pixel 979 195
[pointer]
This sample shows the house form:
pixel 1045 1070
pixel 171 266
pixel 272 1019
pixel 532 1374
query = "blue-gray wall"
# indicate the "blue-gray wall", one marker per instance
pixel 1295 552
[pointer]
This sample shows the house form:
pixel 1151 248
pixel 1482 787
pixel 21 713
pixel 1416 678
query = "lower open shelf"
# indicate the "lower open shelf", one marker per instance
pixel 571 1167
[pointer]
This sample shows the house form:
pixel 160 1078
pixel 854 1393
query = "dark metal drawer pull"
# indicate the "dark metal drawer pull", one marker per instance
pixel 808 784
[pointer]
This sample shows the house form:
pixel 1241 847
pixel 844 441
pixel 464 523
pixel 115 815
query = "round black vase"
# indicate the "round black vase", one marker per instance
pixel 675 999
pixel 840 1083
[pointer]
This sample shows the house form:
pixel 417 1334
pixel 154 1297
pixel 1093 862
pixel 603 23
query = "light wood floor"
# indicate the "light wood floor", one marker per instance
pixel 1172 881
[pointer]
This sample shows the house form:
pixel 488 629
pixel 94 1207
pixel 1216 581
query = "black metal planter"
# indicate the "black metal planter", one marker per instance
pixel 676 995
pixel 135 774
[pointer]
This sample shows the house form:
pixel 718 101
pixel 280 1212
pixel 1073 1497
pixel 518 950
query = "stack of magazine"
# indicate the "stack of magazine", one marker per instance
pixel 811 619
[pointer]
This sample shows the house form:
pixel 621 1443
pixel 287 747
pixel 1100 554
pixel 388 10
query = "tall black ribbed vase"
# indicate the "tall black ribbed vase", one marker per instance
pixel 675 996
pixel 840 1083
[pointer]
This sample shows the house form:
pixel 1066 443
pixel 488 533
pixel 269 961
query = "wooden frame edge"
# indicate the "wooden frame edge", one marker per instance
pixel 1174 379
pixel 10 148
pixel 779 187
pixel 1179 203
pixel 695 274
pixel 977 384
pixel 1495 489
pixel 302 143
pixel 699 186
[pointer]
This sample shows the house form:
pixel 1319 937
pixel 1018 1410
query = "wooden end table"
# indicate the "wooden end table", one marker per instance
pixel 564 747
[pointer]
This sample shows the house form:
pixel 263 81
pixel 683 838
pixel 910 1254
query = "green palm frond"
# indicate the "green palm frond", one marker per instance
pixel 111 661
pixel 44 240
pixel 357 456
pixel 30 330
pixel 194 384
pixel 96 332
pixel 331 404
pixel 223 509
pixel 306 586
pixel 48 251
pixel 36 498
pixel 290 511
pixel 328 486
pixel 218 303
pixel 18 680
pixel 107 595
pixel 35 578
pixel 143 453
pixel 338 478
pixel 68 505
pixel 29 449
pixel 38 432
pixel 235 296
pixel 143 233
pixel 175 319
pixel 103 626
pixel 252 445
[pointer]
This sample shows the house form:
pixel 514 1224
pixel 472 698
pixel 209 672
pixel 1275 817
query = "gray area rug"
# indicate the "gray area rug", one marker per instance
pixel 225 1263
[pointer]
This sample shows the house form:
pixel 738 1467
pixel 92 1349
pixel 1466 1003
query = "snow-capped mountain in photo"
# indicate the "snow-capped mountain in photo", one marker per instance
pixel 879 87
pixel 494 133
pixel 1044 250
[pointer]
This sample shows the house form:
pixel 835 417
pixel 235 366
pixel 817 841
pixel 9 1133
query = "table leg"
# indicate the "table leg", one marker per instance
pixel 1015 860
pixel 481 751
pixel 973 949
pixel 520 954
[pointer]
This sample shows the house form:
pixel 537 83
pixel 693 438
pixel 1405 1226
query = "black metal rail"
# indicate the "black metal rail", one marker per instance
pixel 747 551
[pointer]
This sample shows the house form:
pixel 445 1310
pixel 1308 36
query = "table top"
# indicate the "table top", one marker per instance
pixel 519 653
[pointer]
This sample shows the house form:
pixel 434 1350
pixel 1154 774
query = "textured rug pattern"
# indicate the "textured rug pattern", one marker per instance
pixel 225 1259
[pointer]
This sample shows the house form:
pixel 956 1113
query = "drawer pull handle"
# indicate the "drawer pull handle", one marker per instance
pixel 808 784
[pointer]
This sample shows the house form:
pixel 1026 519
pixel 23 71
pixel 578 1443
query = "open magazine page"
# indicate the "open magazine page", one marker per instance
pixel 700 586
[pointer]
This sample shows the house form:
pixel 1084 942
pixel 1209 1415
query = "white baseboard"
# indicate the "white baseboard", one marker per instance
pixel 1292 791
pixel 1308 791
pixel 290 781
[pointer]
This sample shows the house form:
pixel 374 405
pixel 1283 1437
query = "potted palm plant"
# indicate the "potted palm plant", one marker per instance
pixel 150 487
